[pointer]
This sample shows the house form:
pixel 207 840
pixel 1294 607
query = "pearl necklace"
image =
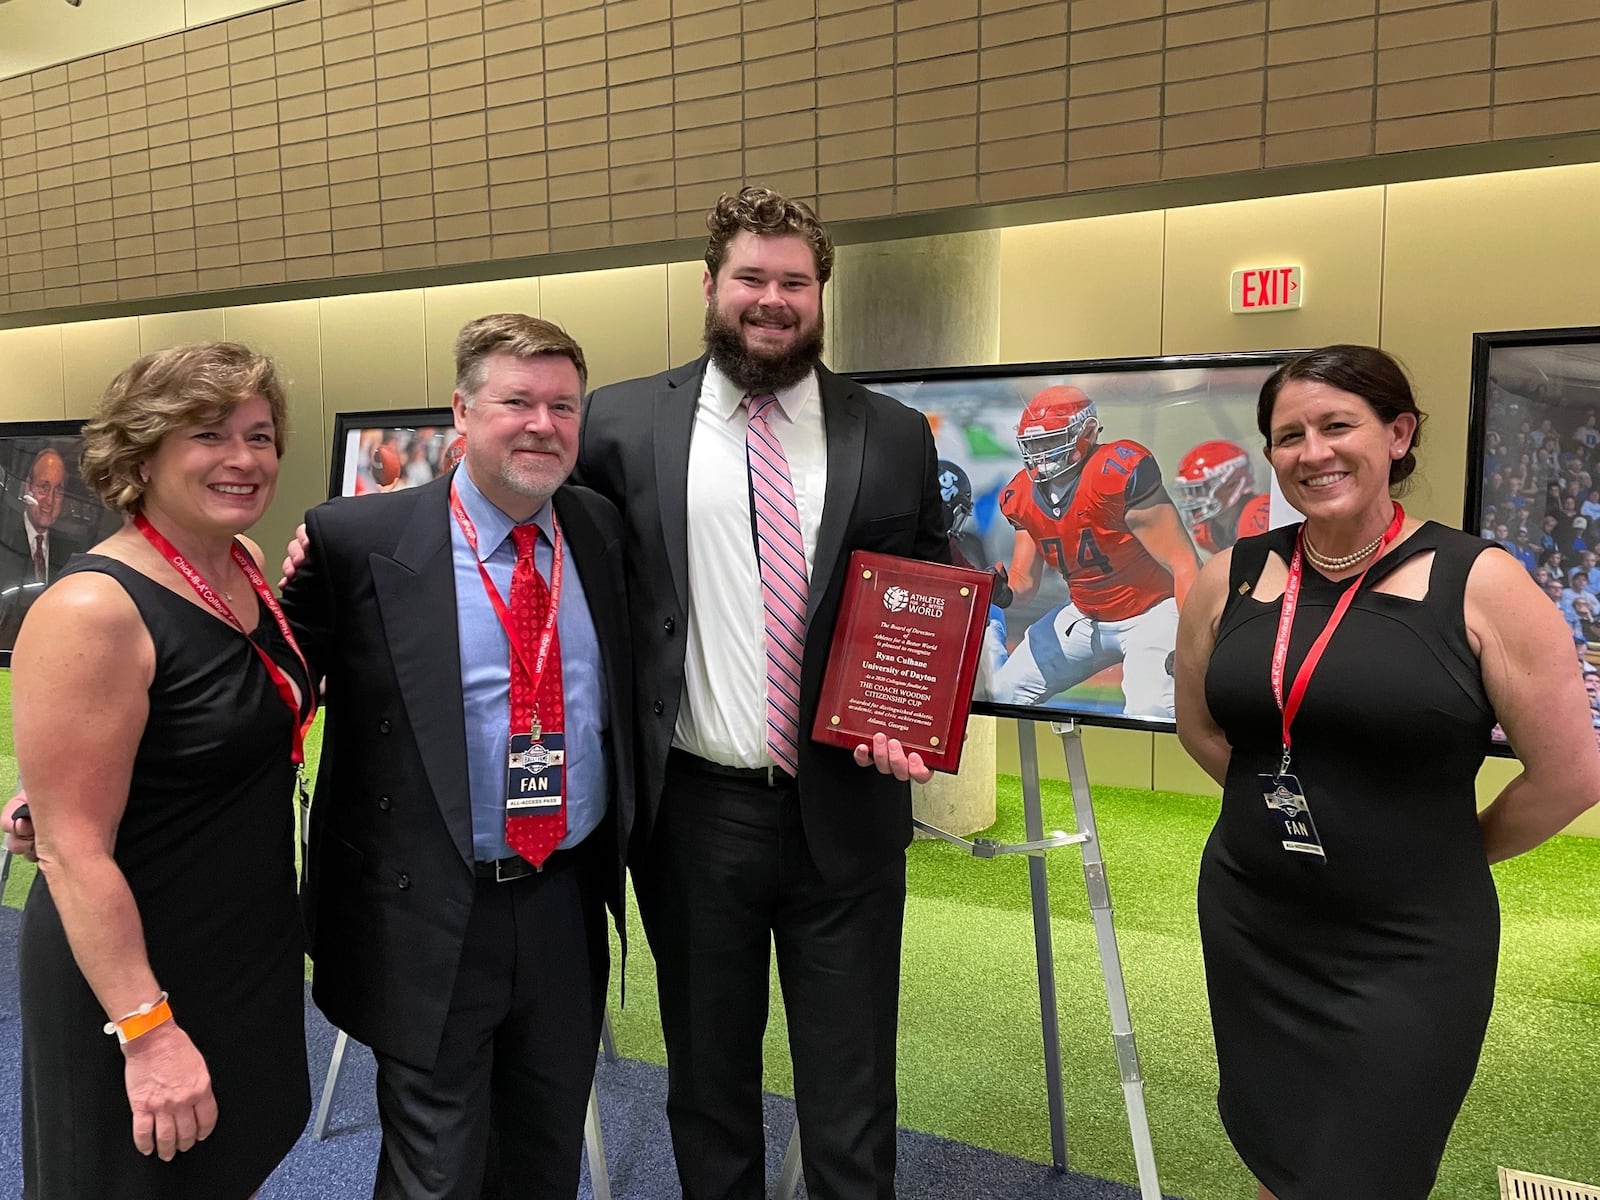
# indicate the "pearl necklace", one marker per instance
pixel 1323 563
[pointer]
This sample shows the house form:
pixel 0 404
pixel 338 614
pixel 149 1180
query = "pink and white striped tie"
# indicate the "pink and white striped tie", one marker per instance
pixel 781 553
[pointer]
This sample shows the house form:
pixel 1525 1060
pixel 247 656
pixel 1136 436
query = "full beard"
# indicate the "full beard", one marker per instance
pixel 754 373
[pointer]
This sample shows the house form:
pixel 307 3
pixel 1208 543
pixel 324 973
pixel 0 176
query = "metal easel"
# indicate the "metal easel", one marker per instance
pixel 1094 875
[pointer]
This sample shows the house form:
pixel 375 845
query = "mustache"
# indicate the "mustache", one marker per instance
pixel 756 313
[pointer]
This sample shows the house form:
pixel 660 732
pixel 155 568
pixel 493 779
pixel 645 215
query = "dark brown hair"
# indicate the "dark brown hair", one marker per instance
pixel 516 334
pixel 1365 371
pixel 186 387
pixel 761 211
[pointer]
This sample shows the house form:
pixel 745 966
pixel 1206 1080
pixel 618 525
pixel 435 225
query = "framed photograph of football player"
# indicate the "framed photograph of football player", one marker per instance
pixel 1095 490
pixel 388 449
pixel 1533 473
pixel 47 514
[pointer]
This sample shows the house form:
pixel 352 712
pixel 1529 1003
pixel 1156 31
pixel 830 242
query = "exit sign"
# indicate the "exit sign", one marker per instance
pixel 1266 289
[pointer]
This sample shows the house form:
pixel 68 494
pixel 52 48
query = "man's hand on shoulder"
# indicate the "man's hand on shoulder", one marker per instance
pixel 299 546
pixel 18 828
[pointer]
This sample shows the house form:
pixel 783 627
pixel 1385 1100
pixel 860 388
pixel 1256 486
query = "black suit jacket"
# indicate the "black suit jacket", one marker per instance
pixel 882 495
pixel 18 588
pixel 388 872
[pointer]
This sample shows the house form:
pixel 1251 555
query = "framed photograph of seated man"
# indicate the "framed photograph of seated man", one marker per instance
pixel 47 514
pixel 1533 473
pixel 388 449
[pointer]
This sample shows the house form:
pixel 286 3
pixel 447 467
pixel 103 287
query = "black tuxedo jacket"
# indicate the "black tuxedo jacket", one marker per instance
pixel 388 880
pixel 882 495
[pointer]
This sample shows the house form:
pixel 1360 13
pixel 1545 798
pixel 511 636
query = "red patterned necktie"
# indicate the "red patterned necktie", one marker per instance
pixel 38 558
pixel 534 837
pixel 784 588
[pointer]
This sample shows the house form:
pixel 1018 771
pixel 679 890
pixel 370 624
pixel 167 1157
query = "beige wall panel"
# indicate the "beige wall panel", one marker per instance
pixel 1485 252
pixel 1175 771
pixel 1081 289
pixel 161 331
pixel 290 333
pixel 619 318
pixel 1115 757
pixel 37 33
pixel 372 354
pixel 203 12
pixel 686 310
pixel 92 354
pixel 446 309
pixel 1336 236
pixel 30 364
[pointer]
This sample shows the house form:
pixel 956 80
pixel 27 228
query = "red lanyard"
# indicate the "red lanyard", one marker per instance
pixel 1280 648
pixel 197 581
pixel 535 672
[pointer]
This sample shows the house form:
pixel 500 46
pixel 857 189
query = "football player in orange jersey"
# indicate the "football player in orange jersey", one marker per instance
pixel 1099 515
pixel 1216 493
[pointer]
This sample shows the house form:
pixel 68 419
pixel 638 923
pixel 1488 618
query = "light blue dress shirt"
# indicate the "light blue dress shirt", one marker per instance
pixel 486 675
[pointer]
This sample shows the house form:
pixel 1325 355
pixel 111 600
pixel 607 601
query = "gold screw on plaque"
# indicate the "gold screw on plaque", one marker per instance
pixel 964 591
pixel 933 741
pixel 834 720
pixel 866 574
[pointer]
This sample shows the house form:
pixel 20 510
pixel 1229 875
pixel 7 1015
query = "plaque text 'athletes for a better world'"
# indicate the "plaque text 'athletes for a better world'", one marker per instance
pixel 904 656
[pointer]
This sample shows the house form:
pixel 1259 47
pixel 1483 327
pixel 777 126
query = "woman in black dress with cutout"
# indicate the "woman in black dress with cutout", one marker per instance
pixel 158 701
pixel 1347 913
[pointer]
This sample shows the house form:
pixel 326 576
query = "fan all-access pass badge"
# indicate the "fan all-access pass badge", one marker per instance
pixel 1287 803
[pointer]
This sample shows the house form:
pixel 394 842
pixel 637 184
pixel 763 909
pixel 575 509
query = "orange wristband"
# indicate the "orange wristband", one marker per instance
pixel 141 1021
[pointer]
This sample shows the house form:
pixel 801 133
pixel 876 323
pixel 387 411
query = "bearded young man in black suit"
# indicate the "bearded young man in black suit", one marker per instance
pixel 473 966
pixel 748 831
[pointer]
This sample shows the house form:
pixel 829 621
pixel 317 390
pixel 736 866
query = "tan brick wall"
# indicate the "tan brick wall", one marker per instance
pixel 353 137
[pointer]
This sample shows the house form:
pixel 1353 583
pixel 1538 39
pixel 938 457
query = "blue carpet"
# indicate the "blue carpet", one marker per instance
pixel 632 1117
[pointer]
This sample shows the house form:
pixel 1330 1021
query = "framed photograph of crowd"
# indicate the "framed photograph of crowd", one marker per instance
pixel 1098 488
pixel 386 450
pixel 47 514
pixel 1533 472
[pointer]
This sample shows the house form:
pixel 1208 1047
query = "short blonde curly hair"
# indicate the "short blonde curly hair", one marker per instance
pixel 186 387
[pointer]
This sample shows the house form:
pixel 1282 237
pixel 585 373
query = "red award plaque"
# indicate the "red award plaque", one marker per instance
pixel 904 656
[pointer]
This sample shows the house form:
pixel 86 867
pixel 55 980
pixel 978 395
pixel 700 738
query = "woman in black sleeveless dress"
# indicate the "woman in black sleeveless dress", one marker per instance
pixel 1347 913
pixel 157 702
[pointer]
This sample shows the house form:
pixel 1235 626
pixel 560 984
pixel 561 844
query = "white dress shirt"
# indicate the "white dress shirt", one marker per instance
pixel 723 716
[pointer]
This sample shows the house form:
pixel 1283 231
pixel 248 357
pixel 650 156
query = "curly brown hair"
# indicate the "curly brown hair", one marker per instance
pixel 761 211
pixel 186 387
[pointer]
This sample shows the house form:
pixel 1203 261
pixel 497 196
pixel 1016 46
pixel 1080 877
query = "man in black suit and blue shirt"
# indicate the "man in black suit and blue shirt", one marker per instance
pixel 745 479
pixel 456 901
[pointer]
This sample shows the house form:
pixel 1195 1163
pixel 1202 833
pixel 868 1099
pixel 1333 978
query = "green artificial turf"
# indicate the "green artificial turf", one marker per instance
pixel 970 1056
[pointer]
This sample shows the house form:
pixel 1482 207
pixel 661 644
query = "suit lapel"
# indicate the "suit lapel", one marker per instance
pixel 845 427
pixel 416 594
pixel 588 556
pixel 674 425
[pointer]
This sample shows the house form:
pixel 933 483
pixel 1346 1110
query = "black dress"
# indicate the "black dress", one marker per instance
pixel 1349 999
pixel 206 844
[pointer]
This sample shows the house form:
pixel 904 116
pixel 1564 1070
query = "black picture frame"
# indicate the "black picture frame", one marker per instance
pixel 356 436
pixel 1168 406
pixel 1528 386
pixel 77 520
